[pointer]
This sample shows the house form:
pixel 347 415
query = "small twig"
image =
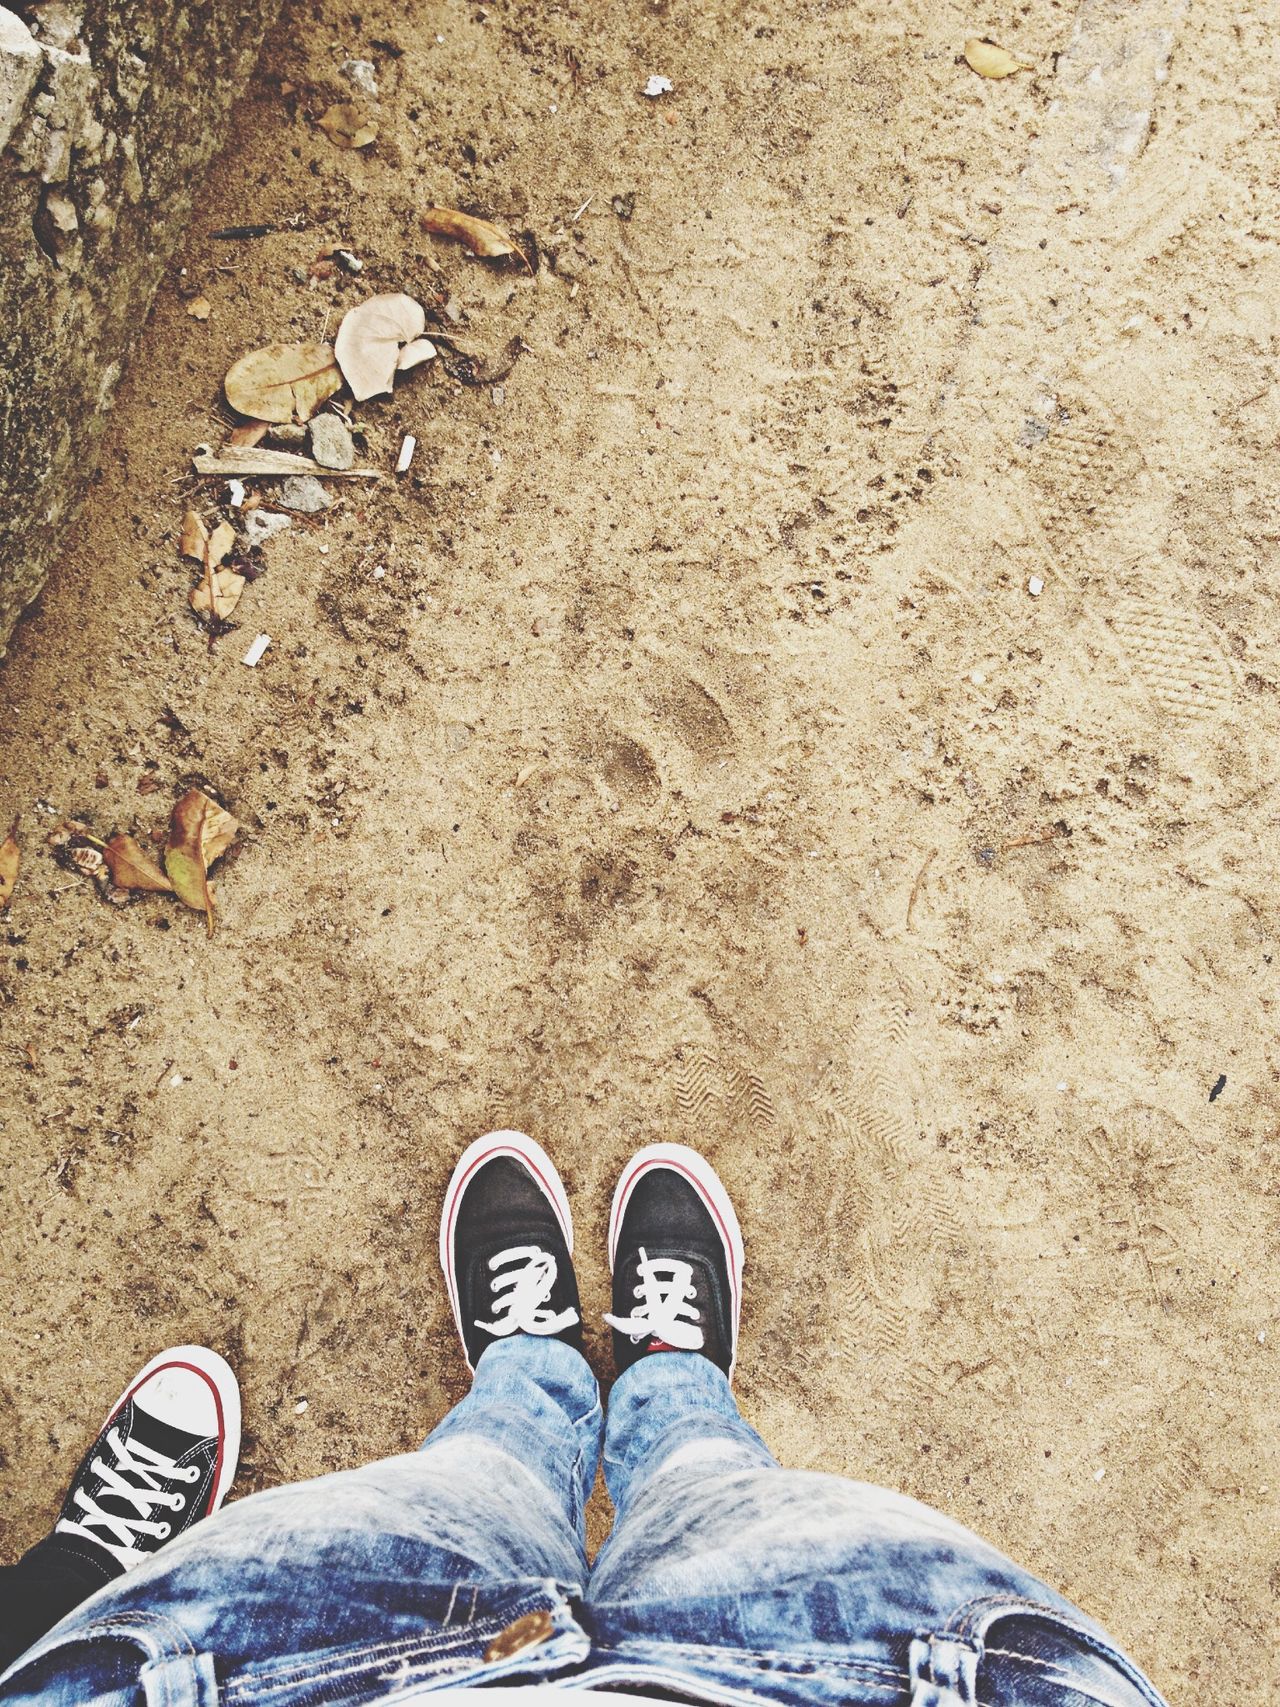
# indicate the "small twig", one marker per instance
pixel 1050 835
pixel 919 884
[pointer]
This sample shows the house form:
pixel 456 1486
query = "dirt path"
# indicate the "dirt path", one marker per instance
pixel 679 749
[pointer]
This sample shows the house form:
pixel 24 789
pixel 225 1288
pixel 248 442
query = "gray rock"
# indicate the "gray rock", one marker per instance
pixel 303 492
pixel 259 525
pixel 106 126
pixel 331 442
pixel 362 74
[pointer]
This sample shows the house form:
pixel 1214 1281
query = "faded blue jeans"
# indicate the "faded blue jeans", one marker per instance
pixel 726 1578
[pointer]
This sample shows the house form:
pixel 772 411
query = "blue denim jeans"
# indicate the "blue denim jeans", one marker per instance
pixel 726 1578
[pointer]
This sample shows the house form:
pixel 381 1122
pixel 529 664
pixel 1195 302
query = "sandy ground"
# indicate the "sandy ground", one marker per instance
pixel 679 750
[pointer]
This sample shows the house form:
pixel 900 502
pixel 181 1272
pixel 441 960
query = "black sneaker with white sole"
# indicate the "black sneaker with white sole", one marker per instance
pixel 165 1457
pixel 675 1252
pixel 506 1246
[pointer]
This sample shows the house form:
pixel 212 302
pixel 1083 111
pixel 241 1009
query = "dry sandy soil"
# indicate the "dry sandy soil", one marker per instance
pixel 679 750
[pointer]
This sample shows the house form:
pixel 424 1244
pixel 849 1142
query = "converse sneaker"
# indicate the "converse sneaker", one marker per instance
pixel 675 1252
pixel 170 1444
pixel 506 1246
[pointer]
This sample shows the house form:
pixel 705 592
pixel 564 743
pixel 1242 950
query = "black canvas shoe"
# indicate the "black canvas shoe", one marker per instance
pixel 506 1246
pixel 675 1252
pixel 164 1459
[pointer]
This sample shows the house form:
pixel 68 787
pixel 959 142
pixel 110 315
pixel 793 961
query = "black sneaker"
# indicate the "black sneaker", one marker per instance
pixel 506 1246
pixel 675 1252
pixel 169 1446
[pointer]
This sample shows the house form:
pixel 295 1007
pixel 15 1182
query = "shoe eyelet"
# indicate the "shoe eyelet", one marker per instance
pixel 192 1473
pixel 163 1531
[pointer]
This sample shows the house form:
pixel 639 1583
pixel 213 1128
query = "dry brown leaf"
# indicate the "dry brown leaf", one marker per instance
pixel 348 126
pixel 248 433
pixel 219 831
pixel 283 382
pixel 199 830
pixel 988 59
pixel 10 860
pixel 227 588
pixel 194 537
pixel 221 541
pixel 477 234
pixel 132 867
pixel 371 338
pixel 199 308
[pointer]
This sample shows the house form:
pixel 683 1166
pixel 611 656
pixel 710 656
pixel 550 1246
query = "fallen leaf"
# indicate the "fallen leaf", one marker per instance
pixel 199 308
pixel 199 830
pixel 248 433
pixel 10 860
pixel 348 126
pixel 131 867
pixel 266 463
pixel 227 588
pixel 477 234
pixel 221 541
pixel 369 344
pixel 194 537
pixel 420 350
pixel 988 59
pixel 283 382
pixel 219 831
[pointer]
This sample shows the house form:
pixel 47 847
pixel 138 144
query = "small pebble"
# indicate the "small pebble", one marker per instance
pixel 1035 586
pixel 331 442
pixel 300 1407
pixel 235 493
pixel 657 86
pixel 303 492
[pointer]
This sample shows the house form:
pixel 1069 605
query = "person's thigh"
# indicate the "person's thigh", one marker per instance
pixel 412 1566
pixel 738 1584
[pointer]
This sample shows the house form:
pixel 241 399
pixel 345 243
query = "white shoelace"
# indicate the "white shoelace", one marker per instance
pixel 132 1458
pixel 665 1305
pixel 523 1279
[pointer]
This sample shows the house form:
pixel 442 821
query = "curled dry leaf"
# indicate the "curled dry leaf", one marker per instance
pixel 283 382
pixel 224 596
pixel 10 860
pixel 371 342
pixel 477 234
pixel 132 867
pixel 194 537
pixel 248 433
pixel 988 59
pixel 221 541
pixel 348 126
pixel 199 830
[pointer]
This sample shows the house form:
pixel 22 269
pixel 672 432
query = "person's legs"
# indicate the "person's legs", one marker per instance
pixel 730 1578
pixel 459 1559
pixel 163 1460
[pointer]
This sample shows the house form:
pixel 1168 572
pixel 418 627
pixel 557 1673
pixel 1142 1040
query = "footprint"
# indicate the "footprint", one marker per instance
pixel 692 712
pixel 627 769
pixel 1173 654
pixel 712 1095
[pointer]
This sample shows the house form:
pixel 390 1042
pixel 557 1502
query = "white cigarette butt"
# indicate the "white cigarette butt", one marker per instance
pixel 406 453
pixel 254 655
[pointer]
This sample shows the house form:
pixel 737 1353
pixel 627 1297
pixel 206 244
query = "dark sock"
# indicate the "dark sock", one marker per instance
pixel 48 1581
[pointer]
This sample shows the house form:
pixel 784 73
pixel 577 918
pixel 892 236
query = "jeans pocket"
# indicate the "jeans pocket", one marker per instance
pixel 104 1662
pixel 1006 1651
